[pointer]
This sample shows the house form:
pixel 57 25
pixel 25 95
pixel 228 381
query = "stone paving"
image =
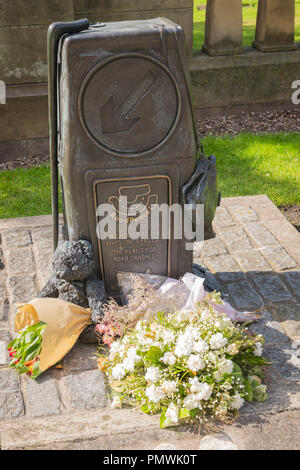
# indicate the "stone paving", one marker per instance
pixel 256 259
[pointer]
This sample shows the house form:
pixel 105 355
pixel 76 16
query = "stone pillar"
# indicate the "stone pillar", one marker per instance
pixel 275 25
pixel 223 27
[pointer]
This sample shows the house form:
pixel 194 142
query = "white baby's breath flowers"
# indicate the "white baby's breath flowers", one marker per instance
pixel 172 413
pixel 155 394
pixel 205 314
pixel 237 401
pixel 118 372
pixel 195 362
pixel 217 341
pixel 152 374
pixel 222 323
pixel 258 349
pixel 169 359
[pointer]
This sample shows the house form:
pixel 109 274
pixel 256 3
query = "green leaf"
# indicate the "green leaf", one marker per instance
pixel 145 409
pixel 237 373
pixel 248 390
pixel 36 370
pixel 163 421
pixel 153 355
pixel 193 412
pixel 184 413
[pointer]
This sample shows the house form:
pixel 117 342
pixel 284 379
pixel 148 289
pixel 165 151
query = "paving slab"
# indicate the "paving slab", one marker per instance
pixel 256 259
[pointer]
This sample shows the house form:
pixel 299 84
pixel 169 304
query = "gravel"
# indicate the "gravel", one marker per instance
pixel 254 123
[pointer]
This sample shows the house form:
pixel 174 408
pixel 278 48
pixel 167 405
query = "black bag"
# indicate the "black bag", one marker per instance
pixel 202 185
pixel 202 189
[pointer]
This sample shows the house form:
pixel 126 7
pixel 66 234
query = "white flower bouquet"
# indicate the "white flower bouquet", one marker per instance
pixel 188 365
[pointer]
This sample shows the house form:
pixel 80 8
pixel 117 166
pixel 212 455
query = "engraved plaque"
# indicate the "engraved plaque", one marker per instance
pixel 141 256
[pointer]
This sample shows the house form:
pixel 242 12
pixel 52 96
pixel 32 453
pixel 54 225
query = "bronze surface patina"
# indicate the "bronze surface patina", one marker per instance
pixel 124 127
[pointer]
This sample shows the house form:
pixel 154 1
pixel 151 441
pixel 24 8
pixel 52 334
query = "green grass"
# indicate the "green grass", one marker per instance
pixel 265 164
pixel 247 165
pixel 25 192
pixel 249 22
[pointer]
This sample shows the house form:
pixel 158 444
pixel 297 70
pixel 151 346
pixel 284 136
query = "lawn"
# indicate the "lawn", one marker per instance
pixel 249 21
pixel 247 164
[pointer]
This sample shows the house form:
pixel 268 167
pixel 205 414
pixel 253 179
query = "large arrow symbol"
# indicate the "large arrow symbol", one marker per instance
pixel 116 119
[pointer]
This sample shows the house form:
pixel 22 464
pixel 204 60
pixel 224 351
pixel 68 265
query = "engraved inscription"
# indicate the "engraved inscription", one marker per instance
pixel 140 255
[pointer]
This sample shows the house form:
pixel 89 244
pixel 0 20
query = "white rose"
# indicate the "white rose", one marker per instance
pixel 237 401
pixel 169 387
pixel 191 401
pixel 195 385
pixel 192 331
pixel 204 392
pixel 168 336
pixel 218 341
pixel 258 349
pixel 225 366
pixel 128 365
pixel 172 413
pixel 169 359
pixel 212 357
pixel 154 394
pixel 118 372
pixel 152 374
pixel 200 347
pixel 201 390
pixel 195 362
pixel 232 349
pixel 114 348
pixel 184 345
pixel 132 355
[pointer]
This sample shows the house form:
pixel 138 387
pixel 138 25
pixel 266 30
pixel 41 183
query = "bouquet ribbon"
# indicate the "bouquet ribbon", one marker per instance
pixel 65 321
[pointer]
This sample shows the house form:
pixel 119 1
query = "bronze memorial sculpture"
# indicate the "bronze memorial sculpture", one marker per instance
pixel 121 124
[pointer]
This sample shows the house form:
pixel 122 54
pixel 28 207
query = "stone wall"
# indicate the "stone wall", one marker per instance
pixel 23 57
pixel 224 75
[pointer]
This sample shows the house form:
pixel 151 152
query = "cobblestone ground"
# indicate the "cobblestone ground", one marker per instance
pixel 256 259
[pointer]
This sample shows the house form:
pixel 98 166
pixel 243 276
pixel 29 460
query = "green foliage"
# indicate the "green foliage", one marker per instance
pixel 248 390
pixel 247 165
pixel 258 164
pixel 25 350
pixel 153 355
pixel 25 192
